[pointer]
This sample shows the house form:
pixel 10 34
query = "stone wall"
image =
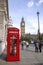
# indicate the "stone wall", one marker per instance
pixel 2 29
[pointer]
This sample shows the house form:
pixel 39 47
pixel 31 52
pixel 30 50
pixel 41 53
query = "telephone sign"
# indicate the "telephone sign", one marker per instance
pixel 13 44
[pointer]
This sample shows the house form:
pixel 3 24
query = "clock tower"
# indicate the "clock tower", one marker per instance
pixel 22 27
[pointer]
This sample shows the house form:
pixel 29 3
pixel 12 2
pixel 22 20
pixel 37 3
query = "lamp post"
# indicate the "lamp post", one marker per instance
pixel 38 26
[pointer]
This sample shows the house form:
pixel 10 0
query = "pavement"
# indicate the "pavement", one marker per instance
pixel 27 57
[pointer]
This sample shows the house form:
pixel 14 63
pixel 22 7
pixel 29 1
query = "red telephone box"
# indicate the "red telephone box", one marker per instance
pixel 13 44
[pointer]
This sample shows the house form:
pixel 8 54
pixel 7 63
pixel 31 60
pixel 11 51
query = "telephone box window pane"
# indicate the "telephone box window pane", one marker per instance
pixel 13 44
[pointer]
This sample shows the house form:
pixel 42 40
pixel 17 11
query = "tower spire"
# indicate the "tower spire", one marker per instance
pixel 22 28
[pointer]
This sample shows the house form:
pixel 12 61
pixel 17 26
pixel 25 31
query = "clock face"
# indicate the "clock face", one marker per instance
pixel 22 23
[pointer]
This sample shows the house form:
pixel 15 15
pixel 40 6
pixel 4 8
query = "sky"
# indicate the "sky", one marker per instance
pixel 27 9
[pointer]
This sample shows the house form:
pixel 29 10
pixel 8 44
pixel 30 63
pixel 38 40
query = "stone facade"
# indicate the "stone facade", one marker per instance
pixel 31 36
pixel 3 19
pixel 2 26
pixel 22 27
pixel 10 23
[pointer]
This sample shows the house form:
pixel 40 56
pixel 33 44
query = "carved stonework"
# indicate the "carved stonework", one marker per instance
pixel 3 19
pixel 22 28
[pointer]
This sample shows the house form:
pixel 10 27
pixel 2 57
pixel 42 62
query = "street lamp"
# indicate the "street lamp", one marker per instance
pixel 38 26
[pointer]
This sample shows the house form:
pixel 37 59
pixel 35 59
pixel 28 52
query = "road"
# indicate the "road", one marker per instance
pixel 27 57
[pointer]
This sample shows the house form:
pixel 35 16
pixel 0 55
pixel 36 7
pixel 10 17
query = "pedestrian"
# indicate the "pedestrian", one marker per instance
pixel 27 44
pixel 36 46
pixel 40 47
pixel 22 45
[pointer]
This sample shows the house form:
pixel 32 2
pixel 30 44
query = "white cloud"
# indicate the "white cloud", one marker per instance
pixel 30 4
pixel 41 27
pixel 39 2
pixel 32 26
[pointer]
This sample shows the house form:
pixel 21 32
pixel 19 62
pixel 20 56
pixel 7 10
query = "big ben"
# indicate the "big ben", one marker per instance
pixel 22 28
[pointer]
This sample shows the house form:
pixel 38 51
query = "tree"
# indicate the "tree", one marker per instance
pixel 41 37
pixel 25 38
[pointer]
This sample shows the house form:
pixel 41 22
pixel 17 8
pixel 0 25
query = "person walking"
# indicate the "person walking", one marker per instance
pixel 22 45
pixel 36 46
pixel 27 44
pixel 40 47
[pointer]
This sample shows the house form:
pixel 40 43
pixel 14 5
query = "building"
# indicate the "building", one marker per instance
pixel 4 20
pixel 31 36
pixel 22 27
pixel 4 16
pixel 10 23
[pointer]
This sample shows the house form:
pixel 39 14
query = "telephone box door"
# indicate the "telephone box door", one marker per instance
pixel 13 45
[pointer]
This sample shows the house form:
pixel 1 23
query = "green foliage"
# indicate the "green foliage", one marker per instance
pixel 41 37
pixel 25 38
